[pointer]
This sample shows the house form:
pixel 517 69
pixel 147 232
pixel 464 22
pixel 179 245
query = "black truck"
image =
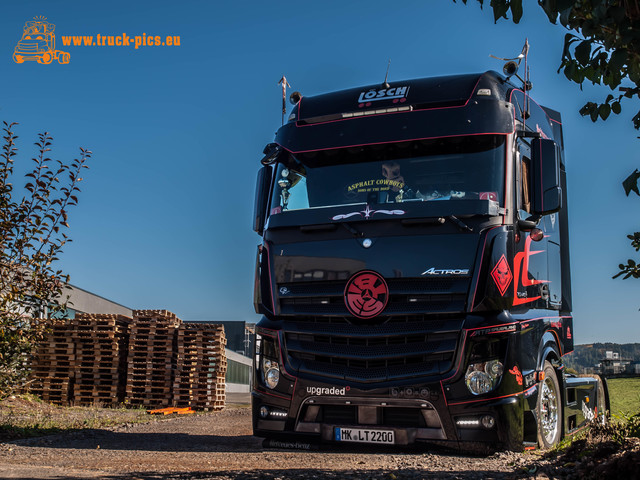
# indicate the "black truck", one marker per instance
pixel 413 276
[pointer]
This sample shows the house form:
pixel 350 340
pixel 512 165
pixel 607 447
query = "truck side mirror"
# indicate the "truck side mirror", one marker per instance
pixel 263 182
pixel 546 190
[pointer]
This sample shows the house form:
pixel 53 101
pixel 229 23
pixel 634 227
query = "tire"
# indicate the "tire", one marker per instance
pixel 63 58
pixel 603 413
pixel 46 58
pixel 549 409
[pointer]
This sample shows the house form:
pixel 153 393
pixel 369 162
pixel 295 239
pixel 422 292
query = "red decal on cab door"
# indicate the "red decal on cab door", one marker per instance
pixel 501 274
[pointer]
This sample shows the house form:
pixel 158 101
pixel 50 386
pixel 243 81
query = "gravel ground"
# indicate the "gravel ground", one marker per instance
pixel 220 446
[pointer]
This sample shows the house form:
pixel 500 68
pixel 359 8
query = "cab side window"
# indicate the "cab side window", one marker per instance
pixel 524 178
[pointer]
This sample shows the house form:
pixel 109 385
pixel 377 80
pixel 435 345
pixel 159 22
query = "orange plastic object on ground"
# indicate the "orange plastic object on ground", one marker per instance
pixel 170 410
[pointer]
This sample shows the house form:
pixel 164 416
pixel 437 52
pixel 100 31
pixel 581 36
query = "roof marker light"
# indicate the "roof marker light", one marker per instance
pixel 485 92
pixel 378 111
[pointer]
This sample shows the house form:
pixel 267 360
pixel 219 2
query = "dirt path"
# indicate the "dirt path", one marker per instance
pixel 220 445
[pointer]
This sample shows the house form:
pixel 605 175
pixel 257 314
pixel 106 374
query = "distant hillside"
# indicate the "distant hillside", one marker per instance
pixel 587 356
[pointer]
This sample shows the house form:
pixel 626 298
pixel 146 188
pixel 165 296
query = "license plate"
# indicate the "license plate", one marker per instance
pixel 363 435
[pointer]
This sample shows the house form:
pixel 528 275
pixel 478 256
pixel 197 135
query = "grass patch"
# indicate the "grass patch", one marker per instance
pixel 625 395
pixel 23 416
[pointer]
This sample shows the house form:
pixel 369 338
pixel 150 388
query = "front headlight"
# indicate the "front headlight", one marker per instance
pixel 483 377
pixel 270 372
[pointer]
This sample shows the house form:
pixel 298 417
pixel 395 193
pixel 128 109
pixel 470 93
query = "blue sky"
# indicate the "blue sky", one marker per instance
pixel 164 219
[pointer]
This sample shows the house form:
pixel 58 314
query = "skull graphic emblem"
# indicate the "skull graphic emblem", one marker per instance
pixel 501 274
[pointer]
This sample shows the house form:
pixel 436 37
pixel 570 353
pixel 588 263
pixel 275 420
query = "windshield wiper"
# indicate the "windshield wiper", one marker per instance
pixel 461 225
pixel 331 226
pixel 356 233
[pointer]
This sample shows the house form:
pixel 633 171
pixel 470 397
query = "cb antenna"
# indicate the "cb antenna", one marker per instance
pixel 510 69
pixel 285 84
pixel 385 84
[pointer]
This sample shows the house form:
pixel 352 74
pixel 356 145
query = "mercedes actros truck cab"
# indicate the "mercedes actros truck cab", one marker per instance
pixel 413 276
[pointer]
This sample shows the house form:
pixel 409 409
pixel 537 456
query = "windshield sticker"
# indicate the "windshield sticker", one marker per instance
pixel 489 196
pixel 379 185
pixel 367 213
pixel 398 94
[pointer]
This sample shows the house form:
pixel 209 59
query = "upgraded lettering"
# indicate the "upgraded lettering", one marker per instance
pixel 326 391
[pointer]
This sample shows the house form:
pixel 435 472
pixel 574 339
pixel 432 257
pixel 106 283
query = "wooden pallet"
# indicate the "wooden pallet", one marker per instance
pixel 200 367
pixel 153 359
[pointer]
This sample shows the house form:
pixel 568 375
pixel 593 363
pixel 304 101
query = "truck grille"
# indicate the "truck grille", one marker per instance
pixel 407 296
pixel 403 347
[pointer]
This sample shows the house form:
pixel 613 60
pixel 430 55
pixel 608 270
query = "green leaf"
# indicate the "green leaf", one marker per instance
pixel 583 52
pixel 570 70
pixel 616 108
pixel 604 111
pixel 500 9
pixel 550 8
pixel 618 59
pixel 630 184
pixel 516 10
pixel 564 4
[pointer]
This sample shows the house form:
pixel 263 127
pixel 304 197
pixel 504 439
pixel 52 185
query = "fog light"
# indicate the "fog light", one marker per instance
pixel 264 412
pixel 488 422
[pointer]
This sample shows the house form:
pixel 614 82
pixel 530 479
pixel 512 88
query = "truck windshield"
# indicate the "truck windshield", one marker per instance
pixel 446 169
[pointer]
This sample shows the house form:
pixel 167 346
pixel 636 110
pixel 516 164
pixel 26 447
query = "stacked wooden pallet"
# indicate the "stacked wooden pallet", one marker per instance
pixel 151 358
pixel 201 366
pixel 101 342
pixel 53 364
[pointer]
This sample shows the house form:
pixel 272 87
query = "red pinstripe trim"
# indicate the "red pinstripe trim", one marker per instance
pixel 271 394
pixel 443 394
pixel 492 326
pixel 494 398
pixel 459 362
pixel 273 297
pixel 397 141
pixel 480 266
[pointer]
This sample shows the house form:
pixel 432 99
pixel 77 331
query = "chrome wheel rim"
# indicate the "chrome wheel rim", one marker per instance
pixel 549 411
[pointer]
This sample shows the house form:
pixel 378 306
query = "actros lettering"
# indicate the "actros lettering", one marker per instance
pixel 446 271
pixel 383 94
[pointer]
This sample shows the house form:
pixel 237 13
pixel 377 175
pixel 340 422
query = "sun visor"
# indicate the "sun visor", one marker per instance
pixel 477 117
pixel 421 93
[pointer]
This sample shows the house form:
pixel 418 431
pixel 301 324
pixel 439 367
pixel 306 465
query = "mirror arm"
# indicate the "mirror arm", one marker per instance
pixel 529 223
pixel 526 134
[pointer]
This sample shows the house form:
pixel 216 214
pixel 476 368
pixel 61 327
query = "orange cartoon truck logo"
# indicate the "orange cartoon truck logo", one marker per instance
pixel 39 43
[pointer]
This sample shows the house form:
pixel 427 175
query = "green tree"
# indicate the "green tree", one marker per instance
pixel 32 223
pixel 631 268
pixel 602 46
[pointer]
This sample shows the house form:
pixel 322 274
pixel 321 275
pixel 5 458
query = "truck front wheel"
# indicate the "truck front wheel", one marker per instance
pixel 549 409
